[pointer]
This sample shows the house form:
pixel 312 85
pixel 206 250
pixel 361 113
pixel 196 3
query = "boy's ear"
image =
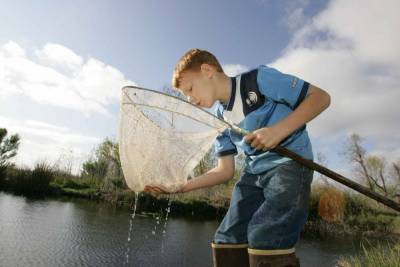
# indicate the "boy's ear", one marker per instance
pixel 207 70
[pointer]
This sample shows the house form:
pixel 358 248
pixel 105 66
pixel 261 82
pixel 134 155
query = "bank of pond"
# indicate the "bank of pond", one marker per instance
pixel 332 212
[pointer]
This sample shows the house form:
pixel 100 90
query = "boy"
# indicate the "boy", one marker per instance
pixel 269 204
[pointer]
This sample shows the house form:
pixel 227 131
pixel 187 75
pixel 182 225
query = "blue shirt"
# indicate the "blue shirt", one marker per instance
pixel 261 98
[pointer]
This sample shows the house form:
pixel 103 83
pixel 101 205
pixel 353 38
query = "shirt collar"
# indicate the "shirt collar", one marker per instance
pixel 228 106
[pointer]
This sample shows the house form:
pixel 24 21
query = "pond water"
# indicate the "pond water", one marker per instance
pixel 86 233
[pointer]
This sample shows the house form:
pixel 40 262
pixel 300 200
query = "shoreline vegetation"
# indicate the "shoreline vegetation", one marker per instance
pixel 356 215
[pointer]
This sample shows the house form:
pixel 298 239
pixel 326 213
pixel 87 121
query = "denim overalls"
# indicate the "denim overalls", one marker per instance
pixel 268 210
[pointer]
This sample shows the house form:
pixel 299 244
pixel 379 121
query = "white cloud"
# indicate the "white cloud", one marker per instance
pixel 12 49
pixel 59 55
pixel 44 125
pixel 370 25
pixel 60 78
pixel 351 50
pixel 295 17
pixel 234 69
pixel 55 76
pixel 43 141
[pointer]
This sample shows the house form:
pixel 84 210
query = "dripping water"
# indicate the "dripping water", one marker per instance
pixel 130 228
pixel 168 210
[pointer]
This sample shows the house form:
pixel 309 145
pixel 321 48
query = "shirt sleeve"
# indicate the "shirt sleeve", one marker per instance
pixel 281 87
pixel 223 145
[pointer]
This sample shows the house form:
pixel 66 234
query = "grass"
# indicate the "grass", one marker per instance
pixel 377 256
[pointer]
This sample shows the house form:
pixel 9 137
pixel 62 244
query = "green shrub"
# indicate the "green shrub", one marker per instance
pixel 3 170
pixel 117 182
pixel 30 182
pixel 75 184
pixel 41 177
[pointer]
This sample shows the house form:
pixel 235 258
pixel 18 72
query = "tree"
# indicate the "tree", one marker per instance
pixel 105 164
pixel 356 153
pixel 396 171
pixel 8 147
pixel 396 174
pixel 321 159
pixel 372 169
pixel 109 151
pixel 94 168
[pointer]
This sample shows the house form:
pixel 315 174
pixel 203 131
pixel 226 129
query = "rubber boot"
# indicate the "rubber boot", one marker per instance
pixel 230 255
pixel 273 258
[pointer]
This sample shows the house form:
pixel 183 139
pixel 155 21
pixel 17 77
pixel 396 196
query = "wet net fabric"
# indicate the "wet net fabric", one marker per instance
pixel 162 138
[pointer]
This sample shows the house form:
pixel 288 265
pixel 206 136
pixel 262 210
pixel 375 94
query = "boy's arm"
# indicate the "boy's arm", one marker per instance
pixel 316 101
pixel 223 172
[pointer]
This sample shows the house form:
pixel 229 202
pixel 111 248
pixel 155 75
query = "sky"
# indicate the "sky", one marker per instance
pixel 62 65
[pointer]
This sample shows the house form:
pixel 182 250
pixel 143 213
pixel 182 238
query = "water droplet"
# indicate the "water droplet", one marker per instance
pixel 130 228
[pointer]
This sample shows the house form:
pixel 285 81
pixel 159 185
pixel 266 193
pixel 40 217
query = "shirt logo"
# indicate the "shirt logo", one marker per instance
pixel 251 98
pixel 294 82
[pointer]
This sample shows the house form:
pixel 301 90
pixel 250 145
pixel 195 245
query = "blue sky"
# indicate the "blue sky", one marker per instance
pixel 144 39
pixel 63 64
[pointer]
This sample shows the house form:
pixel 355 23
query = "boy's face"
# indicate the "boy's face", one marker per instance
pixel 197 86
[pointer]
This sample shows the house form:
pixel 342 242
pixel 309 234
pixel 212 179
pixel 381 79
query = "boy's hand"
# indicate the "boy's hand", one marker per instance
pixel 158 189
pixel 265 138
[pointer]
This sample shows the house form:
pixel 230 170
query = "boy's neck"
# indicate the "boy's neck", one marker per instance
pixel 223 89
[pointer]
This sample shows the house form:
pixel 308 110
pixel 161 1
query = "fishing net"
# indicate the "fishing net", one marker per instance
pixel 162 138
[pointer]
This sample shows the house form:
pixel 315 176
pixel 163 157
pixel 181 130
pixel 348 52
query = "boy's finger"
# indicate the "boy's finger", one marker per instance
pixel 151 189
pixel 156 189
pixel 260 146
pixel 249 137
pixel 147 188
pixel 160 189
pixel 255 143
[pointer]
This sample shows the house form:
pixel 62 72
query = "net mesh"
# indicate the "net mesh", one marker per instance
pixel 162 138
